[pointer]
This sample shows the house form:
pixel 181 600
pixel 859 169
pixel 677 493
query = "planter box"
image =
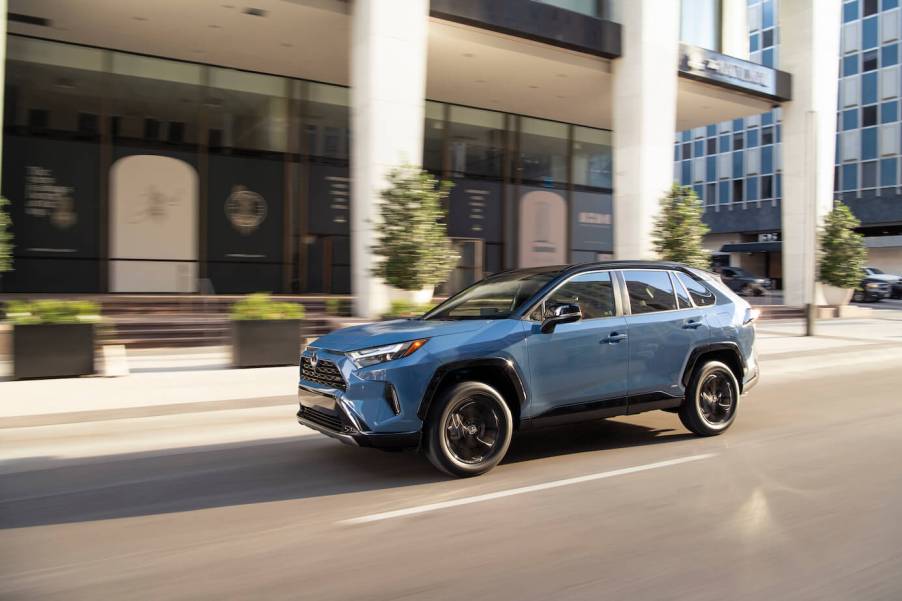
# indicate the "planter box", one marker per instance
pixel 266 342
pixel 53 350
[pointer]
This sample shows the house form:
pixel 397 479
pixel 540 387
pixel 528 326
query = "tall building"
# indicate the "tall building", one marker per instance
pixel 240 146
pixel 736 166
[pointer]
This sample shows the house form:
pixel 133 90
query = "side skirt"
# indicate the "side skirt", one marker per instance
pixel 593 410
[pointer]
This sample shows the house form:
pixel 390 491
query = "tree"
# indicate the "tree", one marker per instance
pixel 413 242
pixel 679 229
pixel 6 238
pixel 843 254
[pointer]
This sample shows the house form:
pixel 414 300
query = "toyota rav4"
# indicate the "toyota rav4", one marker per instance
pixel 533 347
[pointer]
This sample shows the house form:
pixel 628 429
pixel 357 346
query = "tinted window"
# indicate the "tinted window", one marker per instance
pixel 649 291
pixel 593 292
pixel 493 298
pixel 701 296
pixel 682 296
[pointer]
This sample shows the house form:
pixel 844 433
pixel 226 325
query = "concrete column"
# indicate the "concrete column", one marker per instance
pixel 734 29
pixel 388 87
pixel 644 109
pixel 809 50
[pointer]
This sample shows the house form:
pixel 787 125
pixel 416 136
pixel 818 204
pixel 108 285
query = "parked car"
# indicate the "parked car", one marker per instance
pixel 744 283
pixel 873 288
pixel 894 281
pixel 534 347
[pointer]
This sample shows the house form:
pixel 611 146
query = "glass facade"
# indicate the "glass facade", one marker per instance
pixel 700 23
pixel 131 173
pixel 868 140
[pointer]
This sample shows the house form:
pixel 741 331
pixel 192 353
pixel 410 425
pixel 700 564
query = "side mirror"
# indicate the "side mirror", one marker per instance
pixel 561 314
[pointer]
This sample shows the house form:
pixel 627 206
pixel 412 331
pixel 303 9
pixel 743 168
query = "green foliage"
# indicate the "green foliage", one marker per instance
pixel 843 254
pixel 260 305
pixel 402 309
pixel 52 311
pixel 679 229
pixel 6 238
pixel 413 243
pixel 335 306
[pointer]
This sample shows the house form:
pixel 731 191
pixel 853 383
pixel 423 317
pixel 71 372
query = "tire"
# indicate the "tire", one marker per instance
pixel 705 418
pixel 468 430
pixel 746 290
pixel 858 296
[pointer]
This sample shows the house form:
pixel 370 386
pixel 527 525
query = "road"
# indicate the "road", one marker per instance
pixel 799 500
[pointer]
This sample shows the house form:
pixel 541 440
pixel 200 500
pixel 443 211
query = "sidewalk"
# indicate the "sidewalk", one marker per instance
pixel 186 381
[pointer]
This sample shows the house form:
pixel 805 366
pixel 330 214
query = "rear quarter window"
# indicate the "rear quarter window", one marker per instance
pixel 698 291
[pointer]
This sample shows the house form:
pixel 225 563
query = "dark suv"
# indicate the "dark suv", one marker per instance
pixel 742 282
pixel 534 347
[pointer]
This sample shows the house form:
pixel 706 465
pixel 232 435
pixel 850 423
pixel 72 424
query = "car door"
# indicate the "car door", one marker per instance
pixel 580 367
pixel 663 328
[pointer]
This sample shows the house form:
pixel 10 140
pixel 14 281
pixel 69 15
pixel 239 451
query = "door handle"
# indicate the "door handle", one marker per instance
pixel 613 337
pixel 691 324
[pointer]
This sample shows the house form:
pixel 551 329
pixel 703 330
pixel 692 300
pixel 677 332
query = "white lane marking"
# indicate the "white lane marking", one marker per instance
pixel 376 517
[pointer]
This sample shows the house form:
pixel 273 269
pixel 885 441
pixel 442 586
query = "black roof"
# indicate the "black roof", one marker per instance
pixel 612 264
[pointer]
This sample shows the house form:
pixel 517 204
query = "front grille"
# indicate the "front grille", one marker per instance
pixel 321 418
pixel 325 373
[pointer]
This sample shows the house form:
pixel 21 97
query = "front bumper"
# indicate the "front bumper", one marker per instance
pixel 328 415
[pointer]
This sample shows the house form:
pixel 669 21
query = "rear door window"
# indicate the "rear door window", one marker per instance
pixel 701 296
pixel 649 291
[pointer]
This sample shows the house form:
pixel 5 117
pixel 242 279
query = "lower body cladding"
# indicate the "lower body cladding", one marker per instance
pixel 331 415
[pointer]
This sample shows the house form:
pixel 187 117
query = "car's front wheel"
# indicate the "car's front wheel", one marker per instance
pixel 711 399
pixel 469 430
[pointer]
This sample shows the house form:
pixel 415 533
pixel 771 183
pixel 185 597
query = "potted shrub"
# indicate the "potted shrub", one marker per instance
pixel 843 256
pixel 679 230
pixel 404 309
pixel 413 240
pixel 265 332
pixel 53 338
pixel 6 241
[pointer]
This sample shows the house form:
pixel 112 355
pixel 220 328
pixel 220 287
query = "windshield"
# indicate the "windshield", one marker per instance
pixel 875 270
pixel 493 298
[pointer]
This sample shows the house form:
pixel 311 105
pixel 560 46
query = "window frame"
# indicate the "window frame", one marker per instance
pixel 619 310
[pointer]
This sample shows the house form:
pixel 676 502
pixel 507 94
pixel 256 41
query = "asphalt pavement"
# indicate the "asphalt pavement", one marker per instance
pixel 799 500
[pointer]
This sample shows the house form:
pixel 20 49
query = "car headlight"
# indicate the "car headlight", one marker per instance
pixel 873 285
pixel 380 354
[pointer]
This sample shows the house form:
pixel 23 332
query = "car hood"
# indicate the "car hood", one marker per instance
pixel 390 332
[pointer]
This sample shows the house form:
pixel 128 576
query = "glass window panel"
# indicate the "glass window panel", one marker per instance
pixel 737 164
pixel 751 188
pixel 850 11
pixel 247 111
pixel 711 146
pixel 592 157
pixel 593 292
pixel 737 141
pixel 850 65
pixel 889 55
pixel 889 111
pixel 154 100
pixel 767 14
pixel 686 173
pixel 767 38
pixel 869 60
pixel 725 143
pixel 869 8
pixel 326 117
pixel 434 137
pixel 888 172
pixel 751 138
pixel 869 143
pixel 767 135
pixel 687 151
pixel 737 190
pixel 869 88
pixel 888 4
pixel 767 58
pixel 754 42
pixel 849 119
pixel 649 291
pixel 543 150
pixel 53 88
pixel 767 186
pixel 698 148
pixel 710 193
pixel 767 159
pixel 869 33
pixel 701 296
pixel 869 174
pixel 710 169
pixel 850 177
pixel 711 130
pixel 869 115
pixel 723 192
pixel 476 142
pixel 700 23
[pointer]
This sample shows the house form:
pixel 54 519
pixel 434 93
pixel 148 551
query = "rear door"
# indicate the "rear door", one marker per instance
pixel 581 367
pixel 663 328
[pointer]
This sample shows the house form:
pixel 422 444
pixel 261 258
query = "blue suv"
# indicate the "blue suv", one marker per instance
pixel 533 347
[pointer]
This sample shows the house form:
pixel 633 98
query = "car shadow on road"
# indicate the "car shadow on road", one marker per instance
pixel 58 491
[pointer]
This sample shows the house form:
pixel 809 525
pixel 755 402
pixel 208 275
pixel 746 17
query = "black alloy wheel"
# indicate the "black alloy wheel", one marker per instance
pixel 469 429
pixel 712 399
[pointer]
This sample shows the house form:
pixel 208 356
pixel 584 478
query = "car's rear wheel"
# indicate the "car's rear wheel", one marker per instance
pixel 469 430
pixel 711 399
pixel 858 296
